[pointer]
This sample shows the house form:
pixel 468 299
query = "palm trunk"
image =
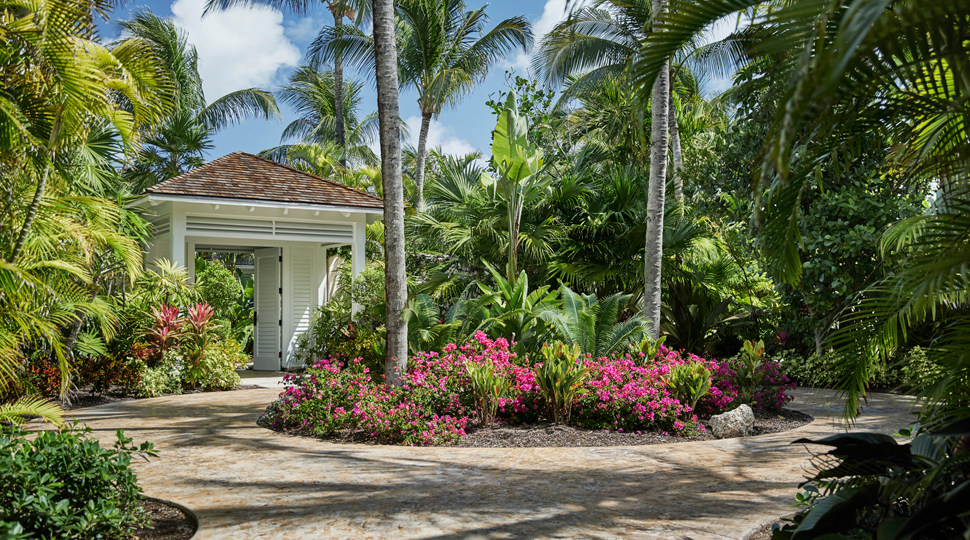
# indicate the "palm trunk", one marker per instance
pixel 338 93
pixel 422 155
pixel 389 116
pixel 677 151
pixel 653 248
pixel 31 214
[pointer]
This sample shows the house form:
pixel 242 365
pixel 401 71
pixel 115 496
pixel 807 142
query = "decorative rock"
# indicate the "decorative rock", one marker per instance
pixel 736 423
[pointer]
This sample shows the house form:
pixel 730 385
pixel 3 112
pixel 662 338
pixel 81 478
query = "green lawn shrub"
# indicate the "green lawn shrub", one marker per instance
pixel 218 366
pixel 164 377
pixel 907 374
pixel 63 485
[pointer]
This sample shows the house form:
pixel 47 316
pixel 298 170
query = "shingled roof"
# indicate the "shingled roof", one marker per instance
pixel 244 176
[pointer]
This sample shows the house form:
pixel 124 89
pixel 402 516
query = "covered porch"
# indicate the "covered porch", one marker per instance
pixel 290 221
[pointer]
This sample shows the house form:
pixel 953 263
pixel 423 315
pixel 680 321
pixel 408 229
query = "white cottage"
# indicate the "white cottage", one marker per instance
pixel 287 218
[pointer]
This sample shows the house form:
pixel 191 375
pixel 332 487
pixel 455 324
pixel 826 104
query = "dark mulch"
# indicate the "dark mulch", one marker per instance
pixel 553 435
pixel 168 523
pixel 85 398
pixel 549 435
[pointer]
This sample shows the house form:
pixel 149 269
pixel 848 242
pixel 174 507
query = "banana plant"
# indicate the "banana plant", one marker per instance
pixel 521 180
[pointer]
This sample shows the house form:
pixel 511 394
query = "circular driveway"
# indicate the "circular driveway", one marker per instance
pixel 243 481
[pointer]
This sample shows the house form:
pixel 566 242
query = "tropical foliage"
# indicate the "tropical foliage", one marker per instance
pixel 64 484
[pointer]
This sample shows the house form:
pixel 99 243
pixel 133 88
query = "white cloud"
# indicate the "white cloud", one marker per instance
pixel 439 135
pixel 238 47
pixel 304 29
pixel 553 12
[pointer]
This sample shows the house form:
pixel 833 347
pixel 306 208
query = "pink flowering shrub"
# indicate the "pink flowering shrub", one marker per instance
pixel 436 404
pixel 336 396
pixel 771 394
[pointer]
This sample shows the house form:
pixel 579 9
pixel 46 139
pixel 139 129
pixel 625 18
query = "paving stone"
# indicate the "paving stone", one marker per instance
pixel 243 481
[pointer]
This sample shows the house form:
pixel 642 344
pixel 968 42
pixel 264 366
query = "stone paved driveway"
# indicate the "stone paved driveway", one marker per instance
pixel 243 481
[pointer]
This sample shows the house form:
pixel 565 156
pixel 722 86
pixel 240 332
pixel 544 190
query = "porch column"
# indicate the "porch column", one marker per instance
pixel 357 250
pixel 178 258
pixel 357 256
pixel 190 260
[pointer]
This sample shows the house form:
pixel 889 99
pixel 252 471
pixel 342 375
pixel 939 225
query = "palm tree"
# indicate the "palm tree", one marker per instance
pixel 312 94
pixel 860 79
pixel 65 93
pixel 592 50
pixel 355 10
pixel 444 51
pixel 58 79
pixel 177 144
pixel 593 323
pixel 598 45
pixel 653 246
pixel 389 116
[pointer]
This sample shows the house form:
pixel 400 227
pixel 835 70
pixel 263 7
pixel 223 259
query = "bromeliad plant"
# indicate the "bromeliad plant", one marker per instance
pixel 560 379
pixel 650 348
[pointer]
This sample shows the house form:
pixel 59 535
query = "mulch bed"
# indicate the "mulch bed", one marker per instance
pixel 549 435
pixel 552 435
pixel 168 523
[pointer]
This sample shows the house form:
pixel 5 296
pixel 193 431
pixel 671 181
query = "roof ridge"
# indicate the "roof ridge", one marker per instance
pixel 163 183
pixel 294 169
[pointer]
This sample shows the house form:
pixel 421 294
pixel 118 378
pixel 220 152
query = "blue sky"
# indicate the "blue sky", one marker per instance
pixel 259 47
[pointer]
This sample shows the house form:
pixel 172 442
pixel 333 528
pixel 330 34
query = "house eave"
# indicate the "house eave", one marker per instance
pixel 156 199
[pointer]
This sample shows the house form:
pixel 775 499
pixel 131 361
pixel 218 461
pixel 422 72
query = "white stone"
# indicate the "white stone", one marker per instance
pixel 736 423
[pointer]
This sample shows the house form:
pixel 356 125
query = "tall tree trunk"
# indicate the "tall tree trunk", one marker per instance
pixel 388 112
pixel 653 248
pixel 31 214
pixel 677 151
pixel 422 155
pixel 338 92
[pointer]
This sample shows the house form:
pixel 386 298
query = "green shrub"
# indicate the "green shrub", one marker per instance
pixel 918 371
pixel 560 379
pixel 488 388
pixel 164 378
pixel 689 383
pixel 218 367
pixel 910 373
pixel 64 485
pixel 218 287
